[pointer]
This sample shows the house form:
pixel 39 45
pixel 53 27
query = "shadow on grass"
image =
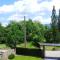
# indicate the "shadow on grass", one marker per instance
pixel 30 52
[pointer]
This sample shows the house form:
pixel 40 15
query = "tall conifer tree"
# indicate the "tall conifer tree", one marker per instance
pixel 54 25
pixel 59 21
pixel 58 36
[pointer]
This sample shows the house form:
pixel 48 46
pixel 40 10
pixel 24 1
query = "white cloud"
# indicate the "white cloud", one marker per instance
pixel 16 6
pixel 15 17
pixel 30 6
pixel 19 6
pixel 49 5
pixel 6 9
pixel 42 20
pixel 33 6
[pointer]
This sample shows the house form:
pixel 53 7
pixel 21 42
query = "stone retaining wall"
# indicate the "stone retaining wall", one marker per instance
pixel 5 53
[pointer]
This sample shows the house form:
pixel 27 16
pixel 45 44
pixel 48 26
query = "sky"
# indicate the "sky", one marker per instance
pixel 37 10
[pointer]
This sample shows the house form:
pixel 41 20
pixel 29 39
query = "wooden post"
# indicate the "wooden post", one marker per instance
pixel 44 51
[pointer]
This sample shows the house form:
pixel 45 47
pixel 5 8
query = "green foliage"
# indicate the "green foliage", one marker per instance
pixel 54 25
pixel 59 22
pixel 13 33
pixel 2 34
pixel 54 49
pixel 35 31
pixel 58 34
pixel 11 56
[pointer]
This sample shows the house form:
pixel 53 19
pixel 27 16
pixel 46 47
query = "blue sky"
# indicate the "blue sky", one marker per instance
pixel 3 2
pixel 37 10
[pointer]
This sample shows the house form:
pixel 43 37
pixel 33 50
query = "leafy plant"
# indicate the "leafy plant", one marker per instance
pixel 11 56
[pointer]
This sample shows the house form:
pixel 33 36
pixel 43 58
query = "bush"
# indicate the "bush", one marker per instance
pixel 11 56
pixel 36 44
pixel 54 49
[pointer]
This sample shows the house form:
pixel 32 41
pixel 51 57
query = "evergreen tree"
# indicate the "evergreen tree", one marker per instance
pixel 54 25
pixel 59 21
pixel 58 36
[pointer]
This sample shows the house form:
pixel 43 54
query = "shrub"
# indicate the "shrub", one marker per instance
pixel 54 49
pixel 36 44
pixel 11 56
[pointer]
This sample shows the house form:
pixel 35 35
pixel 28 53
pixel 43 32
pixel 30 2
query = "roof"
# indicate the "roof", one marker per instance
pixel 49 44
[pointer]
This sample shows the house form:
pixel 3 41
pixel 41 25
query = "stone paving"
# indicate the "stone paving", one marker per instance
pixel 52 55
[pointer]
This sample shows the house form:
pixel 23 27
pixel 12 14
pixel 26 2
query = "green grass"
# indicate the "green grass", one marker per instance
pixel 51 48
pixel 29 45
pixel 26 58
pixel 2 46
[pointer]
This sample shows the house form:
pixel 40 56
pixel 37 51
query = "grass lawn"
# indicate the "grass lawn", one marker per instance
pixel 51 48
pixel 2 46
pixel 26 58
pixel 29 45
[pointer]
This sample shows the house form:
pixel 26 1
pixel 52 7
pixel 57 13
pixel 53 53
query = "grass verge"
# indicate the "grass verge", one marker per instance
pixel 20 57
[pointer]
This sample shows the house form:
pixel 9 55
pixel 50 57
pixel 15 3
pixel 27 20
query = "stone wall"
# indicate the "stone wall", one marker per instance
pixel 5 53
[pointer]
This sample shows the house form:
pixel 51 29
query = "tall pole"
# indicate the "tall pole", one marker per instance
pixel 25 42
